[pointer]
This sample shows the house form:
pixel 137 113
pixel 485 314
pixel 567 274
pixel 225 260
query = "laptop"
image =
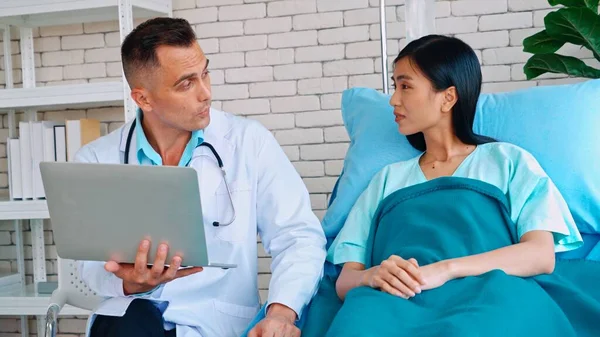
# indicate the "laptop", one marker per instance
pixel 102 212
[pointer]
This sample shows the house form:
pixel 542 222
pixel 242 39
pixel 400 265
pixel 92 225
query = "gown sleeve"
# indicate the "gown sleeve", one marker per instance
pixel 351 242
pixel 536 204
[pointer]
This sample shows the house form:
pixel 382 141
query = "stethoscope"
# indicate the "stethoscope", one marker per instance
pixel 214 152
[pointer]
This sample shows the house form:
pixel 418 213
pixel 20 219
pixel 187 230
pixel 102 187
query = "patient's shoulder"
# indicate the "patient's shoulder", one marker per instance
pixel 507 150
pixel 513 157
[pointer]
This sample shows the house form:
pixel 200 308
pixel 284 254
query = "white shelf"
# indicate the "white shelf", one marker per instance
pixel 22 209
pixel 9 279
pixel 21 300
pixel 15 298
pixel 37 13
pixel 73 96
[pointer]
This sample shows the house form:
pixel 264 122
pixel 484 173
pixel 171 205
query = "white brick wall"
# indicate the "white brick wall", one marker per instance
pixel 270 25
pixel 477 7
pixel 291 7
pixel 318 21
pixel 285 64
pixel 269 57
pixel 293 39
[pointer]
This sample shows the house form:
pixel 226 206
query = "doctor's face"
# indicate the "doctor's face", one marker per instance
pixel 179 92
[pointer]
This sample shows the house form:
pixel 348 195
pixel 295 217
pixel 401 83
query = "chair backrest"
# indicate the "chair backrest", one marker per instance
pixel 78 294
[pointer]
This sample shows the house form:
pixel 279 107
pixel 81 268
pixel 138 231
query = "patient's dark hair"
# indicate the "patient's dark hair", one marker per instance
pixel 446 62
pixel 138 52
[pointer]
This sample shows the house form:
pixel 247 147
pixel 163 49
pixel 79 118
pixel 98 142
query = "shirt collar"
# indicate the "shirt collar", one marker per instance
pixel 146 154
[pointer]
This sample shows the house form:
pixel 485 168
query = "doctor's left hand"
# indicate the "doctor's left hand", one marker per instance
pixel 139 277
pixel 279 322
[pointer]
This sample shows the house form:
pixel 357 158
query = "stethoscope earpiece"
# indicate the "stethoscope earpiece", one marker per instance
pixel 217 157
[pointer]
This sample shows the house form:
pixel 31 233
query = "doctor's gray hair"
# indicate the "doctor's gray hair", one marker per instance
pixel 138 52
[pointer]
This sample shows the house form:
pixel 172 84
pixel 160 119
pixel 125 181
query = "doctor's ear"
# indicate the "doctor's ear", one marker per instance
pixel 450 98
pixel 140 97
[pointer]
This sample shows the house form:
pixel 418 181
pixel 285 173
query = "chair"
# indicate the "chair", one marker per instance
pixel 72 291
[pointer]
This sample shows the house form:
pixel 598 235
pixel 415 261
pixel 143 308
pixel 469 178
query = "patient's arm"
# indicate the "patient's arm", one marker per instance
pixel 395 276
pixel 533 255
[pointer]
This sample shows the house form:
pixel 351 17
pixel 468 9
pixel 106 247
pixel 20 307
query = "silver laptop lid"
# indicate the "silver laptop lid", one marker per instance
pixel 101 212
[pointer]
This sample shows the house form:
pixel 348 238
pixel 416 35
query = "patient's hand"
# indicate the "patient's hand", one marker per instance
pixel 436 274
pixel 139 277
pixel 396 276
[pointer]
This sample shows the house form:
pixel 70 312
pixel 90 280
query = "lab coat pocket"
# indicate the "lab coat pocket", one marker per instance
pixel 237 231
pixel 234 318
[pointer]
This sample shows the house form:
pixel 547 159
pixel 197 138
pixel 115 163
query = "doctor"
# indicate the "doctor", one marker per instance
pixel 260 193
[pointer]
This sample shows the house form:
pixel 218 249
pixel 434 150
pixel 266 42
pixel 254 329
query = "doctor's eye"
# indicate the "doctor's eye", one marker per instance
pixel 205 73
pixel 185 85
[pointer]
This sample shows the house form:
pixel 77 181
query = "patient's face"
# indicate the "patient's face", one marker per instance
pixel 180 93
pixel 417 106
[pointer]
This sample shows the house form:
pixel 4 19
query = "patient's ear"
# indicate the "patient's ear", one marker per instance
pixel 450 98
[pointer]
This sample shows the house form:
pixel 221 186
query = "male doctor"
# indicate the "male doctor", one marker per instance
pixel 167 72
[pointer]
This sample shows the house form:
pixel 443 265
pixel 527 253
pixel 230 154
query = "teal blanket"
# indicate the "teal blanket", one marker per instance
pixel 448 218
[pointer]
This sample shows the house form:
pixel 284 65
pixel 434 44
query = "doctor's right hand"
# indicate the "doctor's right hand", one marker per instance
pixel 139 277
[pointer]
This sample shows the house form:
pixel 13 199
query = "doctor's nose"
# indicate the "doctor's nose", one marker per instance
pixel 203 93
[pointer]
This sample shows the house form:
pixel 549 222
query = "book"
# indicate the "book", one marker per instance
pixel 79 133
pixel 15 183
pixel 39 150
pixel 41 141
pixel 60 143
pixel 26 159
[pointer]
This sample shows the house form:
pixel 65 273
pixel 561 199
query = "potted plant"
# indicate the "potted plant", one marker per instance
pixel 577 22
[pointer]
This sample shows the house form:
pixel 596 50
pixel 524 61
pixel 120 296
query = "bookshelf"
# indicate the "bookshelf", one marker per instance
pixel 74 96
pixel 40 13
pixel 16 296
pixel 26 301
pixel 22 209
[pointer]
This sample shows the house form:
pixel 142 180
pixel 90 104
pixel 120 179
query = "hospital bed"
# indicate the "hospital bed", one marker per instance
pixel 557 124
pixel 566 147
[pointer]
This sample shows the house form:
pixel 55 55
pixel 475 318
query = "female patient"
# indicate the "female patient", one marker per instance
pixel 437 83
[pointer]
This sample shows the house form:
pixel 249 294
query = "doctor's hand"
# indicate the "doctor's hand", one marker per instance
pixel 139 277
pixel 279 322
pixel 395 276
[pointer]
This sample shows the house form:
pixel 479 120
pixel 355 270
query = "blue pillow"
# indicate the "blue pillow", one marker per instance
pixel 558 124
pixel 374 143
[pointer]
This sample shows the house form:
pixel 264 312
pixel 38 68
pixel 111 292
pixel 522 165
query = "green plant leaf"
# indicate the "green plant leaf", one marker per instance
pixel 541 43
pixel 591 4
pixel 559 64
pixel 579 26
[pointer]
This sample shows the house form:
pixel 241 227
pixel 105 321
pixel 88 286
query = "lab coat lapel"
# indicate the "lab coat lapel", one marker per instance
pixel 124 133
pixel 216 134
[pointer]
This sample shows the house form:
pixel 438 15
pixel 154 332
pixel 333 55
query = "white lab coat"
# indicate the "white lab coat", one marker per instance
pixel 270 198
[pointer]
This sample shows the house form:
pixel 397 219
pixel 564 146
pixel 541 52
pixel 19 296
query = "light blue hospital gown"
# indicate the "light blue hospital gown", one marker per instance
pixel 535 202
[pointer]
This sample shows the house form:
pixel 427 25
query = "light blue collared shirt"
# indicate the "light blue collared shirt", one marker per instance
pixel 146 155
